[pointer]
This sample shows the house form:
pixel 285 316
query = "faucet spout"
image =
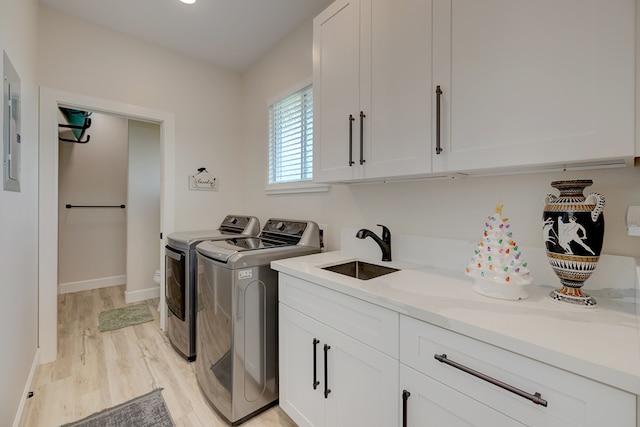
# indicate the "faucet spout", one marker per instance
pixel 384 242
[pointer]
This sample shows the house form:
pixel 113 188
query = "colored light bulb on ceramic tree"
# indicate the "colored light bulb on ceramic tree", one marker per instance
pixel 497 258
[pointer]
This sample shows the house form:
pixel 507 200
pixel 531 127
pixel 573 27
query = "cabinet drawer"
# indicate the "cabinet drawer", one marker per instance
pixel 368 323
pixel 572 400
pixel 433 404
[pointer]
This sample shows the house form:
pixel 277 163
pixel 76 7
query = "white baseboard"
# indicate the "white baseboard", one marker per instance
pixel 86 285
pixel 142 294
pixel 27 388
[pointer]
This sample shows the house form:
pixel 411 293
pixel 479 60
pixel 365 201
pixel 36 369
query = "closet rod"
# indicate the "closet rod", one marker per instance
pixel 95 206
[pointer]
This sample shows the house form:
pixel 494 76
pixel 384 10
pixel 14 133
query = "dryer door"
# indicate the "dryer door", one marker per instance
pixel 175 281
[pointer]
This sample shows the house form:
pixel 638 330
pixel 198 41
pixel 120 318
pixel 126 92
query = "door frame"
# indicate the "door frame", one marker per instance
pixel 50 100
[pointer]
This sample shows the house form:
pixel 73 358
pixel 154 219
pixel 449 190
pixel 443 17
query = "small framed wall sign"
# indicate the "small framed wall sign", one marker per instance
pixel 203 180
pixel 10 126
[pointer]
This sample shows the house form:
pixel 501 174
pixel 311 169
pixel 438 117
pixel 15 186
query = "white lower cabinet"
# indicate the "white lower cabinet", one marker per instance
pixel 328 378
pixel 349 363
pixel 461 379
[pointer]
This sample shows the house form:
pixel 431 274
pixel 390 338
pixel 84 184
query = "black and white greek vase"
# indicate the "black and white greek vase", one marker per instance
pixel 573 231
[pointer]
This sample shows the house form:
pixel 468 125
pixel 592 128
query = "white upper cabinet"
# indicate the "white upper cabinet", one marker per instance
pixel 372 90
pixel 534 83
pixel 526 85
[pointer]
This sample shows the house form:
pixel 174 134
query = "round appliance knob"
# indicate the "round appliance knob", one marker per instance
pixel 234 220
pixel 280 226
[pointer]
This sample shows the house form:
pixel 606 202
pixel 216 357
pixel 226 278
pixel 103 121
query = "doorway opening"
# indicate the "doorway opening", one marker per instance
pixel 50 101
pixel 109 205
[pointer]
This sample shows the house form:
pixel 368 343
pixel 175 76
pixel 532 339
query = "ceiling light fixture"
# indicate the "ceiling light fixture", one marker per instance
pixel 188 1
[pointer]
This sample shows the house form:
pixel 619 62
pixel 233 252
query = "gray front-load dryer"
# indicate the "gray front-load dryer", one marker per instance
pixel 181 270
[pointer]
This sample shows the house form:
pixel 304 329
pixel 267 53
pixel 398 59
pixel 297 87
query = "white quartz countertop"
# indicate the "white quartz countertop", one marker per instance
pixel 601 343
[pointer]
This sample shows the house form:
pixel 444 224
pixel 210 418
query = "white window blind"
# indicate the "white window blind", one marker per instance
pixel 291 138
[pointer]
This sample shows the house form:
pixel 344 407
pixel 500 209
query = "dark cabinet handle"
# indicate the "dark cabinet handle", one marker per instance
pixel 405 397
pixel 315 364
pixel 438 145
pixel 351 119
pixel 535 398
pixel 362 116
pixel 326 372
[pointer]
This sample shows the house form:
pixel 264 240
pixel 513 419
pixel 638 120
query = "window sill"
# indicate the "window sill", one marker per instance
pixel 296 187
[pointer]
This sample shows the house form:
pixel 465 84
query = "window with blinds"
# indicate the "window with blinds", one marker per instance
pixel 291 138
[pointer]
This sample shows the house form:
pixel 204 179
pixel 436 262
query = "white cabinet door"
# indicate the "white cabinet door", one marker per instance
pixel 363 384
pixel 300 356
pixel 433 404
pixel 372 90
pixel 358 387
pixel 336 76
pixel 396 93
pixel 529 83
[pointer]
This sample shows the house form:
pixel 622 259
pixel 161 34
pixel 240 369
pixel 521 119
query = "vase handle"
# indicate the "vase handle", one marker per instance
pixel 549 198
pixel 598 200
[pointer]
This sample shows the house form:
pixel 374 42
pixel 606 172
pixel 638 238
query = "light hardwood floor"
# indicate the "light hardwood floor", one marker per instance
pixel 96 370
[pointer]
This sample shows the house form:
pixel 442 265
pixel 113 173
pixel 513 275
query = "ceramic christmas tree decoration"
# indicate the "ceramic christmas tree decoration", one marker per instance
pixel 573 232
pixel 497 265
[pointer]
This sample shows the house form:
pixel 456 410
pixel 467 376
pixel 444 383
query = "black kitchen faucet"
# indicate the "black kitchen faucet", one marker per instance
pixel 384 243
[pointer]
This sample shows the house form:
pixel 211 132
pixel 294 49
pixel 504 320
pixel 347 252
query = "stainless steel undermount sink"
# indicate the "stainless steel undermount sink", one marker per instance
pixel 360 269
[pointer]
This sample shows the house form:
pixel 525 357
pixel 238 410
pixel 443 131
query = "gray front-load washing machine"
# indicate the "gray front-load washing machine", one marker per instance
pixel 237 364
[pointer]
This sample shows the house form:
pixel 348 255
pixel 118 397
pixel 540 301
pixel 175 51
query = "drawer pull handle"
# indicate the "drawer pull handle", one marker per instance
pixel 438 95
pixel 362 116
pixel 315 364
pixel 351 119
pixel 535 398
pixel 405 397
pixel 326 372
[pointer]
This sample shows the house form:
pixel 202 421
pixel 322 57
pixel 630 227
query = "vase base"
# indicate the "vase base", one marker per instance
pixel 499 291
pixel 574 297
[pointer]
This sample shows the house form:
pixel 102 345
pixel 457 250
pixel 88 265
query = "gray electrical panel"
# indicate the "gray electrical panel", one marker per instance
pixel 10 126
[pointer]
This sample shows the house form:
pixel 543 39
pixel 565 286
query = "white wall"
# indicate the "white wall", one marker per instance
pixel 287 65
pixel 92 241
pixel 143 211
pixel 18 218
pixel 81 64
pixel 447 208
pixel 80 57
